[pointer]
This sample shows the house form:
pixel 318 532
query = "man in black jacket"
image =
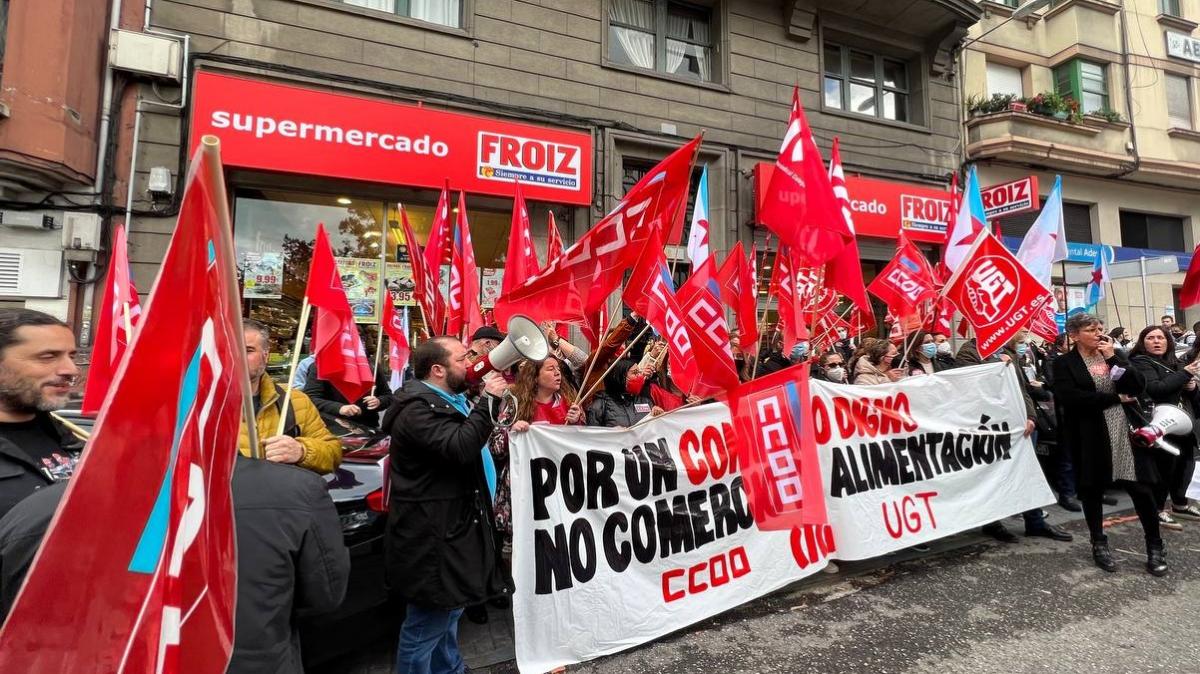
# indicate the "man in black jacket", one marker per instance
pixel 37 371
pixel 440 547
pixel 291 558
pixel 331 403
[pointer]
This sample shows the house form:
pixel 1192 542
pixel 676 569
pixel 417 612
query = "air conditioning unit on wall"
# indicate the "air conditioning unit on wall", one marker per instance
pixel 31 219
pixel 29 272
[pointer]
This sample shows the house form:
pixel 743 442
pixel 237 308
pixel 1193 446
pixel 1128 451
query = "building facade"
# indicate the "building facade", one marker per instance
pixel 1104 94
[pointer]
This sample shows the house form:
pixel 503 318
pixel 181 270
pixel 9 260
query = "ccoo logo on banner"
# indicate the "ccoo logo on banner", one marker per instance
pixel 624 535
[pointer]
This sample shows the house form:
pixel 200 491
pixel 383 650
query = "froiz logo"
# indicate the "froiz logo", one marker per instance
pixel 991 289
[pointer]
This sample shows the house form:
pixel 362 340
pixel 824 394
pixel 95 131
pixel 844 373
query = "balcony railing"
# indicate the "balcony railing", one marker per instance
pixel 1091 146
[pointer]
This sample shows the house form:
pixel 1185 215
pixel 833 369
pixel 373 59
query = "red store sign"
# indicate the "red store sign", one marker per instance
pixel 279 127
pixel 882 208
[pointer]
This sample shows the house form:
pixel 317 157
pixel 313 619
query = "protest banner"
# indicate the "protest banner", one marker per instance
pixel 624 535
pixel 903 465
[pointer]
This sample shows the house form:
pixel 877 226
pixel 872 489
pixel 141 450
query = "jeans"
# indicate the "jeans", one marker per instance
pixel 429 642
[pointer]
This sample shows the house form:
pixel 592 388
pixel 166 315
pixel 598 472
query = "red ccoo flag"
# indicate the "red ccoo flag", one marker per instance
pixel 1189 295
pixel 843 273
pixel 340 357
pixel 464 315
pixel 783 288
pixel 739 292
pixel 119 314
pixel 699 299
pixel 137 571
pixel 439 252
pixel 651 294
pixel 994 292
pixel 799 205
pixel 521 262
pixel 777 450
pixel 399 350
pixel 429 296
pixel 573 287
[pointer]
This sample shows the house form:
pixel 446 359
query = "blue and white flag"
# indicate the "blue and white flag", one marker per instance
pixel 697 246
pixel 1095 287
pixel 1046 242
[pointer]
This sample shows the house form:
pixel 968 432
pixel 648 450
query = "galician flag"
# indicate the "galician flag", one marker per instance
pixel 697 247
pixel 1046 241
pixel 1095 287
pixel 966 227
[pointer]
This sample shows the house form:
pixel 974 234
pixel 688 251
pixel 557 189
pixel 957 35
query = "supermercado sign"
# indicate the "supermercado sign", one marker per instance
pixel 624 535
pixel 281 127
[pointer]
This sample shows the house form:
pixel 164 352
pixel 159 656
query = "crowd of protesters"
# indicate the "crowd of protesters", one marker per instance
pixel 449 532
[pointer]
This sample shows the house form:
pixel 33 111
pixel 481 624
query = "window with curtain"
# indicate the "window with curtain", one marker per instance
pixel 1084 81
pixel 1004 79
pixel 670 37
pixel 1169 7
pixel 865 83
pixel 441 12
pixel 1179 102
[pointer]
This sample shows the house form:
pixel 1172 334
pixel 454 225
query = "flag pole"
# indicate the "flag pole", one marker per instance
pixel 75 429
pixel 384 296
pixel 211 146
pixel 1066 304
pixel 592 361
pixel 128 323
pixel 624 350
pixel 305 308
pixel 762 324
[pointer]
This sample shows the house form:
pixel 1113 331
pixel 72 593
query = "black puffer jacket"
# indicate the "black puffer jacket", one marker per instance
pixel 291 558
pixel 329 400
pixel 440 547
pixel 614 407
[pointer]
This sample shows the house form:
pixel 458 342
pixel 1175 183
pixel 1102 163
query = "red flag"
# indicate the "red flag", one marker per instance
pixel 554 250
pixel 108 345
pixel 573 287
pixel 995 293
pixel 340 357
pixel 464 315
pixel 137 571
pixel 781 472
pixel 1189 295
pixel 651 294
pixel 941 319
pixel 429 296
pixel 521 262
pixel 783 289
pixel 799 205
pixel 906 282
pixel 738 292
pixel 439 247
pixel 1044 324
pixel 398 350
pixel 843 273
pixel 702 310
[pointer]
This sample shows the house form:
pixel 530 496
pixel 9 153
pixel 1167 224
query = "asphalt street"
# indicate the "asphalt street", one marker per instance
pixel 1031 607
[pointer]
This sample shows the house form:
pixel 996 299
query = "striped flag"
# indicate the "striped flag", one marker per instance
pixel 116 320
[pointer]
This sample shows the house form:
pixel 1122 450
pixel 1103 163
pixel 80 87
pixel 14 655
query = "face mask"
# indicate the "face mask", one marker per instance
pixel 929 350
pixel 841 333
pixel 634 384
pixel 1022 348
pixel 836 373
pixel 944 348
pixel 800 351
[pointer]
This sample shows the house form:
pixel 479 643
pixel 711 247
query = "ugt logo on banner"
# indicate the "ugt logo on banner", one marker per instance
pixel 995 293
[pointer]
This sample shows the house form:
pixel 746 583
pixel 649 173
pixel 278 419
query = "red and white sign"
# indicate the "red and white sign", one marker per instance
pixel 272 126
pixel 883 208
pixel 1004 199
pixel 995 293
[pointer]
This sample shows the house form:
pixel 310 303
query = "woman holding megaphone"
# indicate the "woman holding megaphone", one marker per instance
pixel 1092 382
pixel 1170 382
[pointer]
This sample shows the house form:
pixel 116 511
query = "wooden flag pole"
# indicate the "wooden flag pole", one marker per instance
pixel 287 393
pixel 762 324
pixel 600 382
pixel 128 323
pixel 211 146
pixel 75 429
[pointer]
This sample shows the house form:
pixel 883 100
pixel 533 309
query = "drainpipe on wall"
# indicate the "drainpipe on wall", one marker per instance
pixel 114 23
pixel 1137 157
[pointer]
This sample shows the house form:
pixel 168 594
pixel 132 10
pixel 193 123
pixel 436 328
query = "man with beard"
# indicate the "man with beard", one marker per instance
pixel 440 547
pixel 37 371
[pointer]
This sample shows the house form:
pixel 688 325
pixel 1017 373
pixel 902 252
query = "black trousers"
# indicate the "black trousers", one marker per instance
pixel 1143 502
pixel 1176 473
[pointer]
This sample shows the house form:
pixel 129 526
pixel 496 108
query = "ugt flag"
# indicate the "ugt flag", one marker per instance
pixel 995 293
pixel 137 572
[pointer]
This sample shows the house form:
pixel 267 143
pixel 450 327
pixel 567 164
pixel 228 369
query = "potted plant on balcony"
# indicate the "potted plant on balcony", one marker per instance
pixel 978 105
pixel 1107 115
pixel 1054 104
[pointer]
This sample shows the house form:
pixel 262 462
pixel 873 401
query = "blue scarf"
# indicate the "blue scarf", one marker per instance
pixel 459 402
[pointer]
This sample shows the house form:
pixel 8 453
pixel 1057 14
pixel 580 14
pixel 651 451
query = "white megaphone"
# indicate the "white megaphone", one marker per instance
pixel 1166 420
pixel 525 340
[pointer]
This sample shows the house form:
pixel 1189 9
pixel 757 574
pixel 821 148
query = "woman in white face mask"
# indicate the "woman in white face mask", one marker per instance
pixel 943 357
pixel 832 367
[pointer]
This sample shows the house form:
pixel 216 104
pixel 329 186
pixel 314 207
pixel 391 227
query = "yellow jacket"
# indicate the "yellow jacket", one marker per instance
pixel 322 449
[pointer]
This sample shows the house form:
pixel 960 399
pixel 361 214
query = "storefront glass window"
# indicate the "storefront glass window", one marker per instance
pixel 274 232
